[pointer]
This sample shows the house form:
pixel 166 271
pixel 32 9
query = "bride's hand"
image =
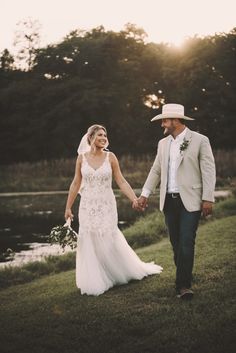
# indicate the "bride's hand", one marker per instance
pixel 68 214
pixel 140 204
pixel 135 204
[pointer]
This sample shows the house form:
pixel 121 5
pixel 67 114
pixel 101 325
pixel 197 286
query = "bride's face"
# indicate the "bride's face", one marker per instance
pixel 100 139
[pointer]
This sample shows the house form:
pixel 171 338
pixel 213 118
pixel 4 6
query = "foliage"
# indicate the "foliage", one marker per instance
pixel 27 39
pixel 64 236
pixel 12 275
pixel 54 175
pixel 7 60
pixel 147 230
pixel 116 79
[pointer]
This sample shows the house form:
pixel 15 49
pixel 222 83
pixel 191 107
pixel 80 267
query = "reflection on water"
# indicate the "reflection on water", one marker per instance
pixel 24 229
pixel 24 239
pixel 35 252
pixel 19 249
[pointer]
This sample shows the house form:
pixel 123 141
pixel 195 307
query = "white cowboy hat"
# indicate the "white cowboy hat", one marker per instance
pixel 172 110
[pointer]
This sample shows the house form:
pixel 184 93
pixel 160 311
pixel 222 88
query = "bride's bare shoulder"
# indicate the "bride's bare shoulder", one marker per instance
pixel 79 158
pixel 112 157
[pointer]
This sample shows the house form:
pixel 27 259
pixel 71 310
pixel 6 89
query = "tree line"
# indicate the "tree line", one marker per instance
pixel 119 80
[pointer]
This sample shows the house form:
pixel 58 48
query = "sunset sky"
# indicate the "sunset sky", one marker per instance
pixel 167 20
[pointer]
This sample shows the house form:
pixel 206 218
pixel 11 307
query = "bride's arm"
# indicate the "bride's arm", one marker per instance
pixel 120 180
pixel 74 189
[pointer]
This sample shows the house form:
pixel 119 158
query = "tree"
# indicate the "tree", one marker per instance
pixel 6 60
pixel 116 79
pixel 27 41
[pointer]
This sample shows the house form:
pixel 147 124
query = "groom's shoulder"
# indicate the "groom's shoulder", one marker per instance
pixel 198 136
pixel 163 140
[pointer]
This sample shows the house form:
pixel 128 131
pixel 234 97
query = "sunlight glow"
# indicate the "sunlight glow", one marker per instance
pixel 153 101
pixel 166 21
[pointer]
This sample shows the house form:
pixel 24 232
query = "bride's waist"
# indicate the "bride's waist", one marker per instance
pixel 101 193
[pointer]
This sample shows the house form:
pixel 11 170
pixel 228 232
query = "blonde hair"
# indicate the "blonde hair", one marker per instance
pixel 92 133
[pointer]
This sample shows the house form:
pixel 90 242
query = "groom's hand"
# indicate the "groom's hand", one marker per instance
pixel 142 203
pixel 206 208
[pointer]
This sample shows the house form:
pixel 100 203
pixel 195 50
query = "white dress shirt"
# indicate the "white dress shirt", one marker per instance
pixel 174 153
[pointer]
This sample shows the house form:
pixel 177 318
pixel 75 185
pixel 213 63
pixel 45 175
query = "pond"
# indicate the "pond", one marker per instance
pixel 26 221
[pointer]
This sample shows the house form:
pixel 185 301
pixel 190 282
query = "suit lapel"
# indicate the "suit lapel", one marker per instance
pixel 188 137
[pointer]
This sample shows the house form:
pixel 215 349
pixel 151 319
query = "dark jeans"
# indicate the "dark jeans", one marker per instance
pixel 182 226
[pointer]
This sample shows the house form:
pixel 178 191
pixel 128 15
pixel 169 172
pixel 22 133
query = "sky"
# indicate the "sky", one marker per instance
pixel 163 20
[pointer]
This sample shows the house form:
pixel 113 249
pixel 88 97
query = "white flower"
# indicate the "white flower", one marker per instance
pixel 184 145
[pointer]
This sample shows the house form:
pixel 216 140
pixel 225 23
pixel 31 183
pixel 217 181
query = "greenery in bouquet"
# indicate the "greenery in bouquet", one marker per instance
pixel 64 236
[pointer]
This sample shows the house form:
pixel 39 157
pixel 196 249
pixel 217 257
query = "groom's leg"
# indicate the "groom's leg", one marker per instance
pixel 172 220
pixel 188 227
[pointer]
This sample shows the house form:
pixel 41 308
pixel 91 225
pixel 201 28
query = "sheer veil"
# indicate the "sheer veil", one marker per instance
pixel 83 146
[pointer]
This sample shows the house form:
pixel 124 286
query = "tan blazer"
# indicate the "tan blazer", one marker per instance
pixel 196 173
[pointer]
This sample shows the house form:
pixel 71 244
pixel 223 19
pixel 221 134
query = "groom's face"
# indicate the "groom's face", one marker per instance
pixel 169 126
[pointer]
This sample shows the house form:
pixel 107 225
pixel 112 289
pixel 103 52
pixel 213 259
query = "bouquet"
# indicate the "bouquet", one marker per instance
pixel 63 235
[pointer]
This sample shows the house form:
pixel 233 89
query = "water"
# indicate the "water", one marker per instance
pixel 34 252
pixel 28 220
pixel 26 239
pixel 22 243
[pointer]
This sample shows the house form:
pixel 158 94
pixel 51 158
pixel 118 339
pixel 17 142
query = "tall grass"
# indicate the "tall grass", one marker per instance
pixel 57 174
pixel 225 163
pixel 145 231
pixel 12 275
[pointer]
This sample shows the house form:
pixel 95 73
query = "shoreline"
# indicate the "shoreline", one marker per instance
pixel 218 193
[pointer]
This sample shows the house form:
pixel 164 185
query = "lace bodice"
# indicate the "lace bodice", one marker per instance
pixel 96 180
pixel 98 205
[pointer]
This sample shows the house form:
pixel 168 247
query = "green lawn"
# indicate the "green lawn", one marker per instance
pixel 50 315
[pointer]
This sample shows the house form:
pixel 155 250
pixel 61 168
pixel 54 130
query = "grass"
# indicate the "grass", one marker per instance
pixel 58 174
pixel 50 315
pixel 147 230
pixel 12 275
pixel 51 175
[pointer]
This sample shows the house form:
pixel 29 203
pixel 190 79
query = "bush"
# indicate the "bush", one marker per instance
pixel 147 230
pixel 52 264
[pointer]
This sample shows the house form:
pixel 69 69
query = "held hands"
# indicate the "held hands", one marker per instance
pixel 135 203
pixel 140 204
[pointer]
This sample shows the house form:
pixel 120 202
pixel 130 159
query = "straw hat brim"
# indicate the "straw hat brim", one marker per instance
pixel 169 116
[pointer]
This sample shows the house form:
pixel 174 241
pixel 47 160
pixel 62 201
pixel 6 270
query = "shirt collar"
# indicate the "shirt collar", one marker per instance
pixel 180 136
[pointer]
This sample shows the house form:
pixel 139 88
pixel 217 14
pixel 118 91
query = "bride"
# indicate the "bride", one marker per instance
pixel 103 258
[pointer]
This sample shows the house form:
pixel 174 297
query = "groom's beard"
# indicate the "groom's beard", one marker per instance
pixel 166 132
pixel 169 130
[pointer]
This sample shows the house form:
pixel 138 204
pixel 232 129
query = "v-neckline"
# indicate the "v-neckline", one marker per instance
pixel 97 167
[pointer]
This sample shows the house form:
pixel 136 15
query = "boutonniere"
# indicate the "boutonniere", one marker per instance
pixel 184 145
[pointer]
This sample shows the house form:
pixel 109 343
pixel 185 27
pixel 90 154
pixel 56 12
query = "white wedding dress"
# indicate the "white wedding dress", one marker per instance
pixel 103 258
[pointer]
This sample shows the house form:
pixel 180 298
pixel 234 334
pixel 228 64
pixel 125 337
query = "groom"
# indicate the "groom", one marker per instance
pixel 185 170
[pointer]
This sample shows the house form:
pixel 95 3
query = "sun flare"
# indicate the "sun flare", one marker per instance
pixel 168 21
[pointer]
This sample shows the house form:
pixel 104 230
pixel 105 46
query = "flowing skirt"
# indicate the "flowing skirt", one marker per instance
pixel 105 260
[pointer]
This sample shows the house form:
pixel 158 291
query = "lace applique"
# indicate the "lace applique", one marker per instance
pixel 97 205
